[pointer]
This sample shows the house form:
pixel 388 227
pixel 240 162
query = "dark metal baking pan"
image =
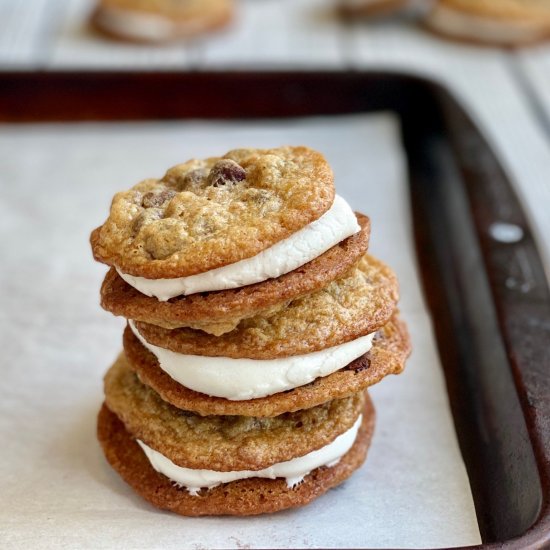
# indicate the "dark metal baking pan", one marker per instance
pixel 483 277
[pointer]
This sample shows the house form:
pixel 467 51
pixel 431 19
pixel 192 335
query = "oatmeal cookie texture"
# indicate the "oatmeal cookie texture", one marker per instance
pixel 278 413
pixel 205 214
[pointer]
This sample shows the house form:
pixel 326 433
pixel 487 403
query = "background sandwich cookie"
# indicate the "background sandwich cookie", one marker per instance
pixel 492 22
pixel 160 20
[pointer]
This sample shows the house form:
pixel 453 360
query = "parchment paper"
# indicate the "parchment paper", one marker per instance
pixel 56 343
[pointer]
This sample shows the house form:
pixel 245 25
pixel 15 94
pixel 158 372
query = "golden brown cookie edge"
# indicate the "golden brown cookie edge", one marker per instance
pixel 367 9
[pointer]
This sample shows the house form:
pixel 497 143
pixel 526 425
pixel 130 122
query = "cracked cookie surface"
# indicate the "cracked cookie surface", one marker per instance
pixel 205 214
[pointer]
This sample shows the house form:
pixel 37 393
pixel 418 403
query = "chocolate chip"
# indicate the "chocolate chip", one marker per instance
pixel 225 172
pixel 156 200
pixel 360 364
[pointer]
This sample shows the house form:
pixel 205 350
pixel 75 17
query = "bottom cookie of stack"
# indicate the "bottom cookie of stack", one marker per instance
pixel 212 465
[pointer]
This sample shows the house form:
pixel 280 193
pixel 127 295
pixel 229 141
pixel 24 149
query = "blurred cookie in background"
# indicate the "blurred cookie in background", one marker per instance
pixel 371 8
pixel 511 23
pixel 160 20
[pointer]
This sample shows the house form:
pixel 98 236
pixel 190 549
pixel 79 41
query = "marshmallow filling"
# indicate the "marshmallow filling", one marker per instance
pixel 242 379
pixel 335 225
pixel 293 471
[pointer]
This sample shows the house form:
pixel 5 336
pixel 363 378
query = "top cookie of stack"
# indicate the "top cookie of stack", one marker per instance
pixel 249 294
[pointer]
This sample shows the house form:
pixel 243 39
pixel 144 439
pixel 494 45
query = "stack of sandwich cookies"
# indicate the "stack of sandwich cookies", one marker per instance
pixel 256 321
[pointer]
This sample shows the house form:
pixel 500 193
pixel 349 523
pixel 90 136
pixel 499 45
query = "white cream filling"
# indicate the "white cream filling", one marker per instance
pixel 338 223
pixel 476 27
pixel 241 379
pixel 134 24
pixel 293 470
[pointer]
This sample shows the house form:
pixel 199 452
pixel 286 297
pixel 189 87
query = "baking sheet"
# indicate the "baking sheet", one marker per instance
pixel 57 489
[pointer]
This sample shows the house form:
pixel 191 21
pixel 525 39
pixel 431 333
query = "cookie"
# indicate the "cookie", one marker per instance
pixel 207 214
pixel 371 8
pixel 492 22
pixel 220 312
pixel 243 497
pixel 350 307
pixel 391 347
pixel 160 20
pixel 223 443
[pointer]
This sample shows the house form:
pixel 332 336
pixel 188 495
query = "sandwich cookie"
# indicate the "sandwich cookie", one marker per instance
pixel 226 464
pixel 390 348
pixel 492 22
pixel 348 308
pixel 160 20
pixel 220 312
pixel 312 338
pixel 224 223
pixel 243 497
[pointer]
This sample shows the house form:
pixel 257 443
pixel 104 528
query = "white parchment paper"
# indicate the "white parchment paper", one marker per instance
pixel 57 489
